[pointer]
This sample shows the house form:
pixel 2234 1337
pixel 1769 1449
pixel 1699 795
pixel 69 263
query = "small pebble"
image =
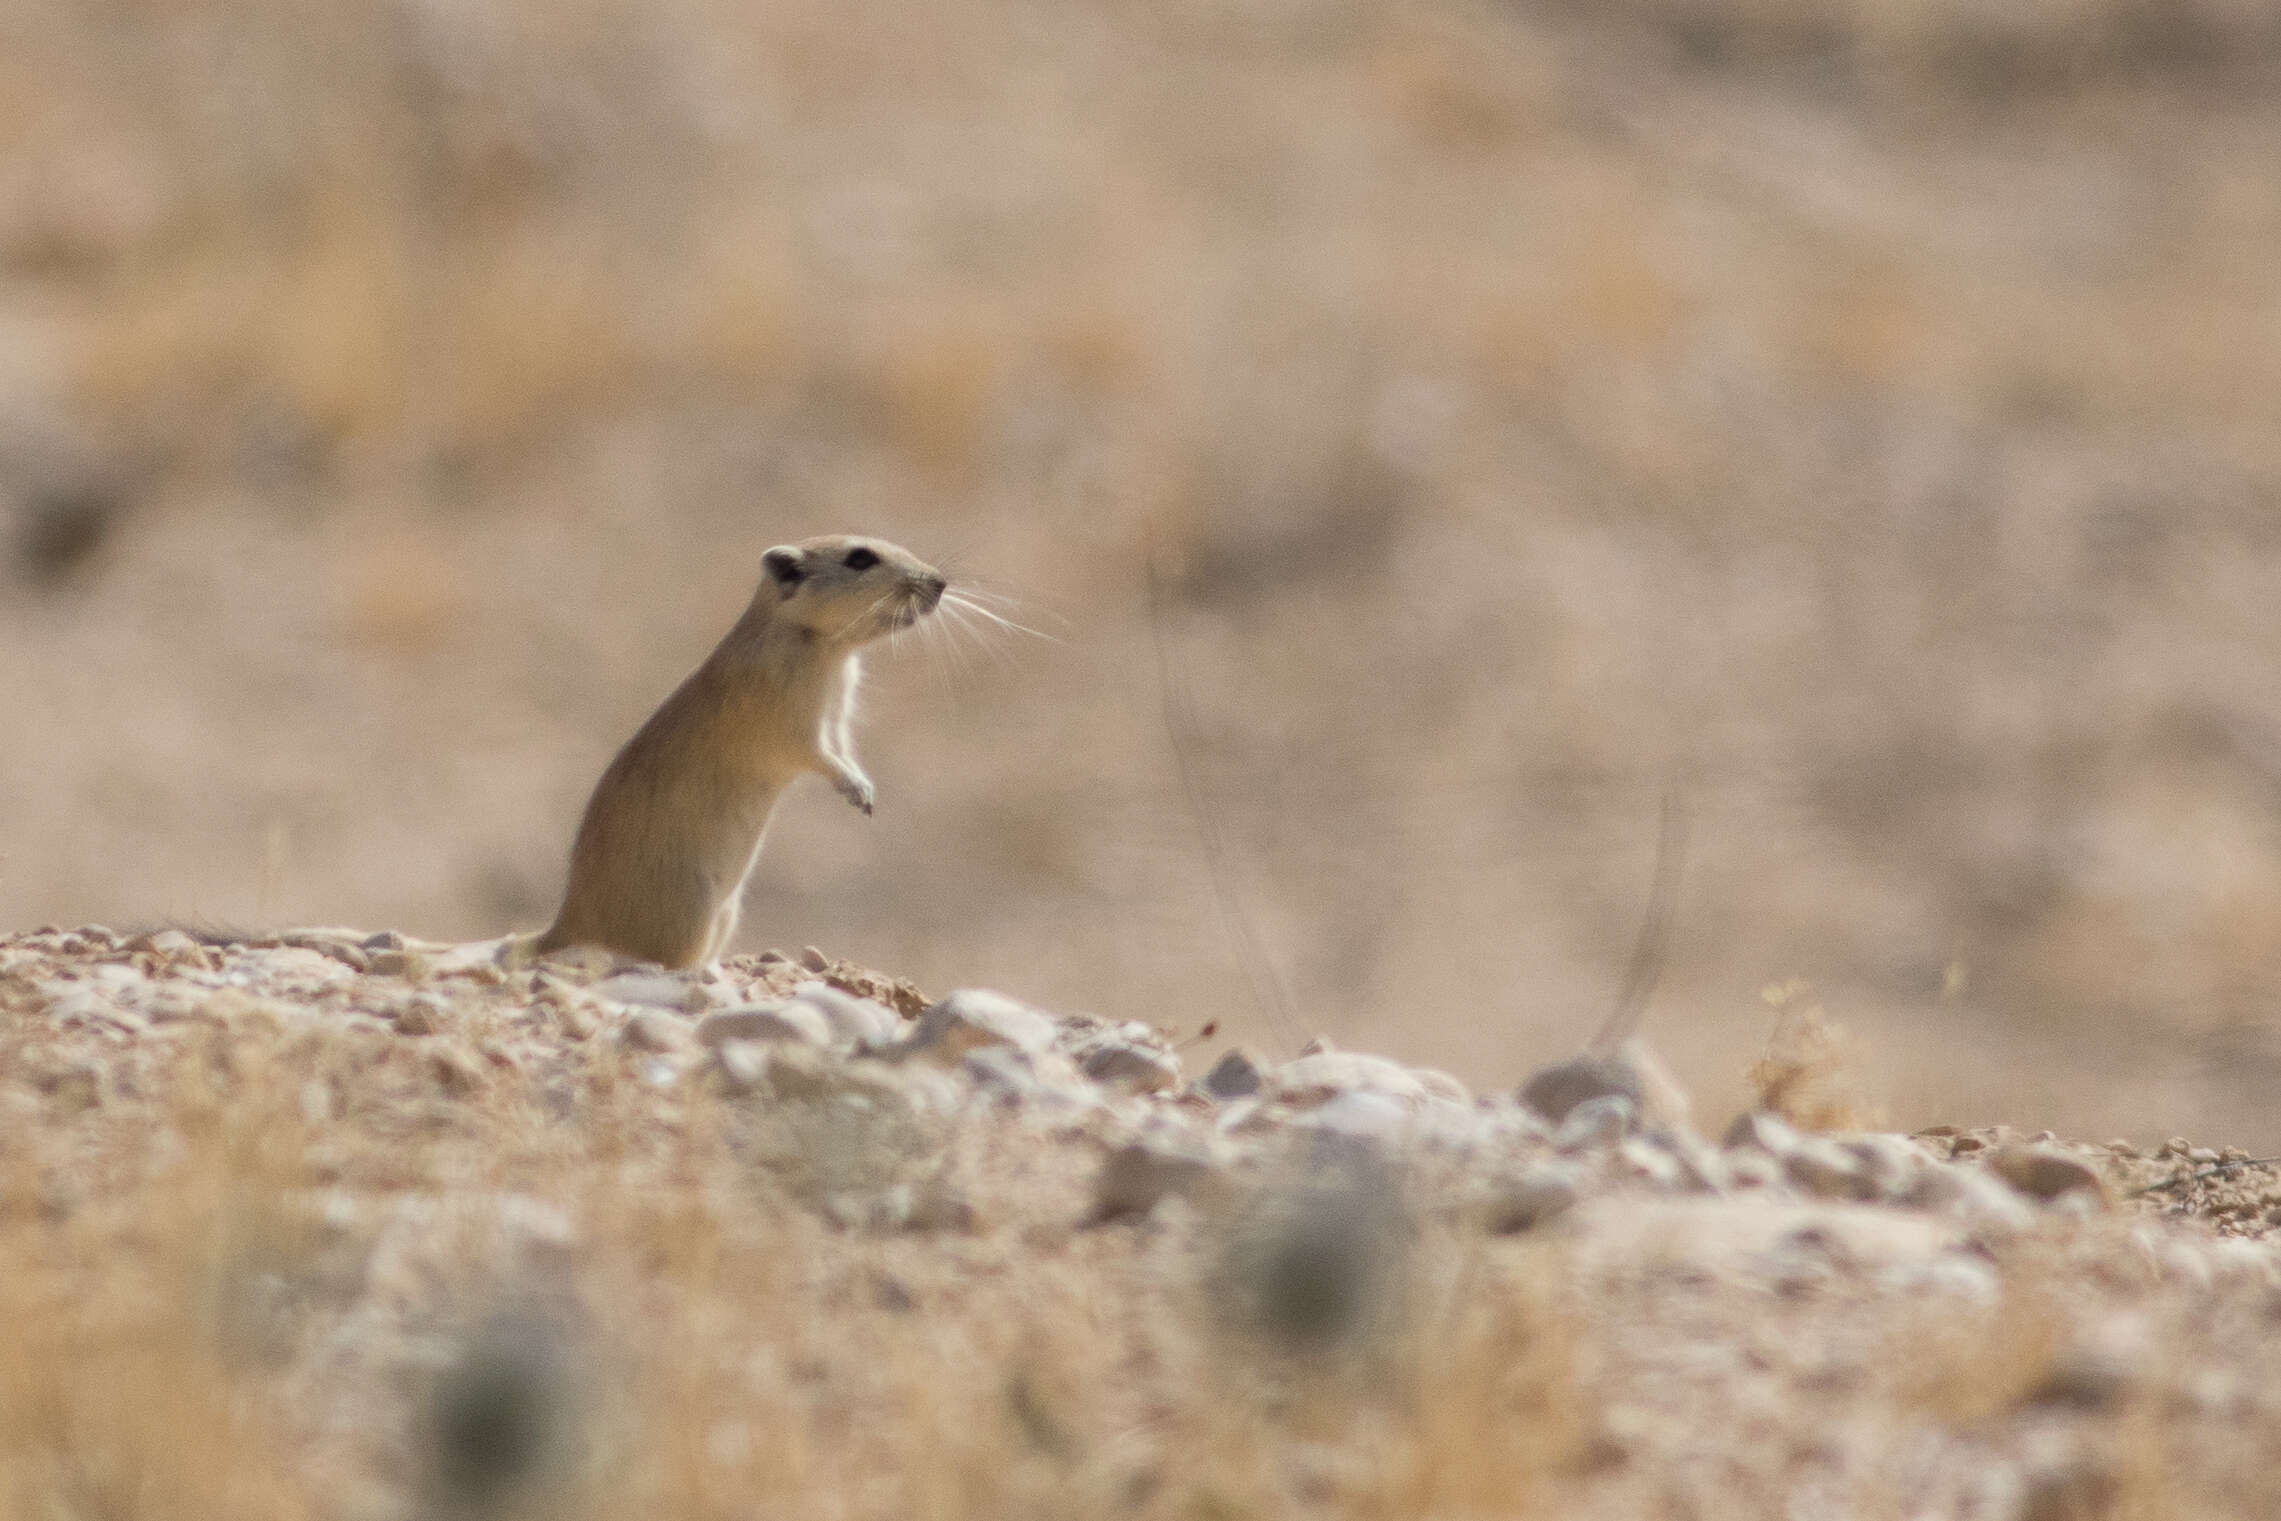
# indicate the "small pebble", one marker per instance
pixel 1556 1090
pixel 458 1070
pixel 1529 1199
pixel 655 1030
pixel 1761 1131
pixel 2043 1171
pixel 1235 1075
pixel 972 1018
pixel 1137 1068
pixel 420 1016
pixel 789 1020
pixel 1324 1075
pixel 860 1022
pixel 1827 1170
pixel 1136 1175
pixel 656 990
pixel 1594 1125
pixel 741 1065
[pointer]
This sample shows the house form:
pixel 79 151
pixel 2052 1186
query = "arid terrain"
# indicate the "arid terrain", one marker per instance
pixel 1420 439
pixel 339 1225
pixel 1863 416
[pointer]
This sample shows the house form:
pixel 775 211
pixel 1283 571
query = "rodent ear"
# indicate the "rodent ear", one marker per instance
pixel 784 567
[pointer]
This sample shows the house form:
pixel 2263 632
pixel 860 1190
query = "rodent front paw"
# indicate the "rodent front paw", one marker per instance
pixel 857 790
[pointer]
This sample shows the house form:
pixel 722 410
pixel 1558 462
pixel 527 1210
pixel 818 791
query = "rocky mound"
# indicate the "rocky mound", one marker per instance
pixel 334 1224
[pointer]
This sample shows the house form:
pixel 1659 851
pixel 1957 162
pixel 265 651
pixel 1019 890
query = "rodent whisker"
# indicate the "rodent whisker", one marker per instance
pixel 956 617
pixel 943 637
pixel 895 638
pixel 1005 602
pixel 952 561
pixel 938 666
pixel 982 591
pixel 975 589
pixel 863 619
pixel 971 602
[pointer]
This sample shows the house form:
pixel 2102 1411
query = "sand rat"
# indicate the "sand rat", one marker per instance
pixel 675 824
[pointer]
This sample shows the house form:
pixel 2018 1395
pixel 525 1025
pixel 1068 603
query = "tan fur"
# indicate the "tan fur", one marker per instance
pixel 675 824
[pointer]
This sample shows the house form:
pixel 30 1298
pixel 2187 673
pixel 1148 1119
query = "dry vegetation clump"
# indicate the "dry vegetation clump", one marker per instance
pixel 1801 1077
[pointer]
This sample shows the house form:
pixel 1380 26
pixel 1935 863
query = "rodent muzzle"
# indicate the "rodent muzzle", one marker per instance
pixel 919 599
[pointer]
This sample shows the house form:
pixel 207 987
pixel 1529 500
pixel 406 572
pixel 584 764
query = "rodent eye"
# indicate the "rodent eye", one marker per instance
pixel 860 559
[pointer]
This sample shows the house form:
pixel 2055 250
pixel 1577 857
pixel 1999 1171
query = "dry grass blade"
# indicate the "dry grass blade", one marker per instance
pixel 1654 943
pixel 1268 993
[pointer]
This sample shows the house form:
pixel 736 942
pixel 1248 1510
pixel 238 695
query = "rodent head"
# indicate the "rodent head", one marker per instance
pixel 849 589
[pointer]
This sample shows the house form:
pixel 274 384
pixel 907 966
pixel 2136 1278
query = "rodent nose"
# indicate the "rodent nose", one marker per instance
pixel 935 586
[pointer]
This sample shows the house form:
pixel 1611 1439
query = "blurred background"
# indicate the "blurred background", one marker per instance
pixel 1870 409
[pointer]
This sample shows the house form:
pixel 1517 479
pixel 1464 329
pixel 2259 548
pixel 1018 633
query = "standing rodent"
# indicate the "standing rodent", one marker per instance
pixel 675 824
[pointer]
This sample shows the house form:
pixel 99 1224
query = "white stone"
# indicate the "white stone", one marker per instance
pixel 860 1022
pixel 1362 1114
pixel 1827 1170
pixel 655 990
pixel 1318 1079
pixel 1160 1163
pixel 790 1020
pixel 1137 1067
pixel 1762 1131
pixel 1530 1198
pixel 1595 1124
pixel 972 1018
pixel 654 1030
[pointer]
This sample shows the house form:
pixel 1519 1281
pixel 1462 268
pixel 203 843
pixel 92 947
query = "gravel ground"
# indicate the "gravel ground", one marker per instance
pixel 338 1224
